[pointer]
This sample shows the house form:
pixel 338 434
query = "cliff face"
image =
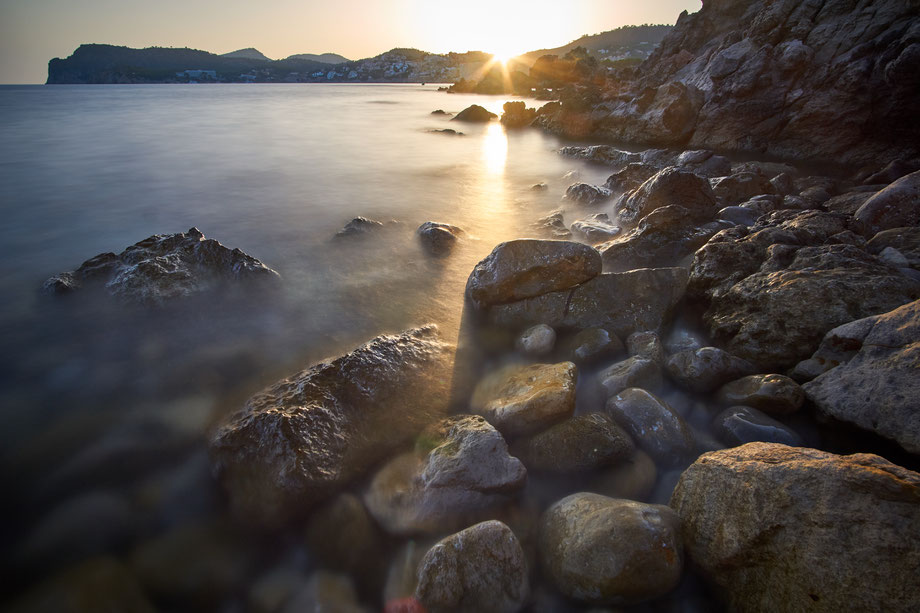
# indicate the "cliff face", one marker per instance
pixel 798 79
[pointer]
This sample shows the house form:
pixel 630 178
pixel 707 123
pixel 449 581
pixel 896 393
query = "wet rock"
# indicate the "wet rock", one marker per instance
pixel 524 268
pixel 602 154
pixel 664 237
pixel 893 257
pixel 631 372
pixel 539 187
pixel 704 163
pixel 584 442
pixel 537 340
pixel 161 269
pixel 595 229
pixel 475 114
pixel 298 441
pixel 521 400
pixel 645 345
pixel 326 591
pixel 670 186
pixel 655 427
pixel 98 584
pixel 586 194
pixel 610 551
pixel 905 240
pixel 481 568
pixel 682 339
pixel 199 564
pixel 358 545
pixel 875 385
pixel 772 394
pixel 459 470
pixel 896 206
pixel 632 478
pixel 630 177
pixel 438 238
pixel 706 369
pixel 517 115
pixel 593 345
pixel 741 187
pixel 783 184
pixel 739 425
pixel 622 303
pixel 360 226
pixel 739 215
pixel 773 528
pixel 552 226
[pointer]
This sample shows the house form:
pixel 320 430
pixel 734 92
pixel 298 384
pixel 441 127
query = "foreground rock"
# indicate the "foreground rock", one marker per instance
pixel 521 400
pixel 670 186
pixel 876 385
pixel 459 469
pixel 525 268
pixel 481 568
pixel 438 238
pixel 162 268
pixel 611 551
pixel 474 114
pixel 622 303
pixel 776 528
pixel 303 438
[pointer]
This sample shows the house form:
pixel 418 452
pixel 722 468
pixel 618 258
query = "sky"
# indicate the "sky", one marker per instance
pixel 34 31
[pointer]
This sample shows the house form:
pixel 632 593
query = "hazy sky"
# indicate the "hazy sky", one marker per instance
pixel 34 31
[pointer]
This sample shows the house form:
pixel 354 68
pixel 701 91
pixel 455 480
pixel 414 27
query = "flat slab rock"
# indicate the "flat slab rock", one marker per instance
pixel 298 441
pixel 777 528
pixel 162 268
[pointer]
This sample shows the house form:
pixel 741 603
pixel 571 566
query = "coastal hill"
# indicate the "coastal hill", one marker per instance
pixel 97 63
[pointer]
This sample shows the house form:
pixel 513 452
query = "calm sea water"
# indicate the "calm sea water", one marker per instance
pixel 102 398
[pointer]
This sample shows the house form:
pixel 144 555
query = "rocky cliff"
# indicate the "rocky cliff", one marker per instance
pixel 796 79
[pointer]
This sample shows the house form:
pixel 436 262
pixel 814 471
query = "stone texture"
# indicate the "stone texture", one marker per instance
pixel 670 186
pixel 537 340
pixel 905 240
pixel 459 470
pixel 739 425
pixel 586 194
pixel 611 551
pixel 631 372
pixel 584 442
pixel 706 369
pixel 161 269
pixel 552 226
pixel 776 528
pixel 595 229
pixel 772 394
pixel 525 268
pixel 654 426
pixel 645 345
pixel 876 386
pixel 602 154
pixel 521 400
pixel 622 303
pixel 481 568
pixel 593 345
pixel 896 206
pixel 474 114
pixel 298 441
pixel 438 238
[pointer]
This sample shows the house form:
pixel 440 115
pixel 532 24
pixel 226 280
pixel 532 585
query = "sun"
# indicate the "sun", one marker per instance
pixel 502 57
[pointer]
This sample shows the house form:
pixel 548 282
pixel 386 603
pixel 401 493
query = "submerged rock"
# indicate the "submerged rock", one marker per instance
pixel 528 267
pixel 438 238
pixel 739 425
pixel 552 226
pixel 521 400
pixel 655 427
pixel 359 226
pixel 602 154
pixel 584 442
pixel 596 228
pixel 772 394
pixel 876 384
pixel 298 441
pixel 481 568
pixel 460 469
pixel 476 114
pixel 776 528
pixel 536 341
pixel 631 372
pixel 162 268
pixel 611 551
pixel 706 369
pixel 593 345
pixel 586 194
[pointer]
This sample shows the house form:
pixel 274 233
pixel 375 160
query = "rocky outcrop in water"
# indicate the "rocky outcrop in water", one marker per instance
pixel 776 528
pixel 298 441
pixel 161 269
pixel 814 79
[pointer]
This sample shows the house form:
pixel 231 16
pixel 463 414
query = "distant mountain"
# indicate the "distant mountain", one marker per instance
pixel 249 53
pixel 635 42
pixel 325 58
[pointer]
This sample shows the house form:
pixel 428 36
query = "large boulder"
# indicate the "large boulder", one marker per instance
pixel 895 206
pixel 670 186
pixel 611 551
pixel 876 386
pixel 622 303
pixel 162 268
pixel 776 528
pixel 481 568
pixel 525 268
pixel 298 441
pixel 520 400
pixel 460 469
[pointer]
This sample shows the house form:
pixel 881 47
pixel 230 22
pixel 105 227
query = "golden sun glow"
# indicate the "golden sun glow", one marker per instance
pixel 495 148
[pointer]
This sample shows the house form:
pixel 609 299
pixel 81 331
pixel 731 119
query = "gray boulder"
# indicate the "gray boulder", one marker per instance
pixel 586 194
pixel 593 345
pixel 298 441
pixel 602 154
pixel 670 186
pixel 772 394
pixel 161 269
pixel 525 268
pixel 632 372
pixel 630 177
pixel 595 229
pixel 776 528
pixel 655 427
pixel 603 550
pixel 739 425
pixel 706 369
pixel 438 238
pixel 741 187
pixel 481 568
pixel 875 386
pixel 905 240
pixel 552 226
pixel 896 206
pixel 536 341
pixel 584 442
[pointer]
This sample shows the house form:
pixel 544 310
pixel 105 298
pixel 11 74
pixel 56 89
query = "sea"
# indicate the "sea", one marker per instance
pixel 105 409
